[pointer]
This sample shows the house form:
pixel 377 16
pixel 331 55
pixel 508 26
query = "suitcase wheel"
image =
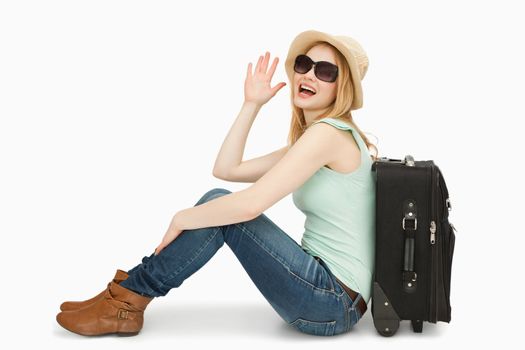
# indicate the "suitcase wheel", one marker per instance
pixel 417 326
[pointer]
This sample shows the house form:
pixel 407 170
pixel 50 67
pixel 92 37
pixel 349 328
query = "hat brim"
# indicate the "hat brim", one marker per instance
pixel 305 39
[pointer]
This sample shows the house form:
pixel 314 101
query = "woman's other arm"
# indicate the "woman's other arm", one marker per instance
pixel 257 92
pixel 232 149
pixel 252 170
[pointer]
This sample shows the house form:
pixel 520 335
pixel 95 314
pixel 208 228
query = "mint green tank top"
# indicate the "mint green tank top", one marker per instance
pixel 340 218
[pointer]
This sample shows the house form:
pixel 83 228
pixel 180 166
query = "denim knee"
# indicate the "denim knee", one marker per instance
pixel 214 193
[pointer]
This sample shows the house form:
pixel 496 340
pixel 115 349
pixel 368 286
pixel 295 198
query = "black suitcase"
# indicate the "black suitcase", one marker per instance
pixel 414 245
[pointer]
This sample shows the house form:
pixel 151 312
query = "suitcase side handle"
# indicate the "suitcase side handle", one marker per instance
pixel 409 225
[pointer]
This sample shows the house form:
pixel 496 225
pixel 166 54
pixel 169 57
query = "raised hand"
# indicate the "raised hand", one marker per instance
pixel 257 85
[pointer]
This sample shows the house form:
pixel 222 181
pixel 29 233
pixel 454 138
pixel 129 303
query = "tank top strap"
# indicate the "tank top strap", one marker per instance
pixel 344 126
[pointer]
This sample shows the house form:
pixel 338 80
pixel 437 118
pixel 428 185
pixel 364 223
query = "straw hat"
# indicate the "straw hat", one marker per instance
pixel 351 50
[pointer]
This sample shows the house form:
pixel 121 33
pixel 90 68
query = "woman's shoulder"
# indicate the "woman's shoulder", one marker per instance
pixel 338 123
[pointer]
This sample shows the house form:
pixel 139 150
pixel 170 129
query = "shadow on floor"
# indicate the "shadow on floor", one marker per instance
pixel 238 320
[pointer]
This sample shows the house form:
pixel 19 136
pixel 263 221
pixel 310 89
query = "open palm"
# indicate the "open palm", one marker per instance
pixel 257 85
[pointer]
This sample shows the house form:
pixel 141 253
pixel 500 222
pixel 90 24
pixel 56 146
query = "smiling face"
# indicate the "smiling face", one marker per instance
pixel 325 92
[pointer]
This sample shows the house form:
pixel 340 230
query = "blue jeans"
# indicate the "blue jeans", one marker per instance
pixel 301 288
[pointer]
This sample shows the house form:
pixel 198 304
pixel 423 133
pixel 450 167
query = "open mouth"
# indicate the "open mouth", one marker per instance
pixel 306 91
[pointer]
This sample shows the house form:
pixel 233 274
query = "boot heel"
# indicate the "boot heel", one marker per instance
pixel 127 334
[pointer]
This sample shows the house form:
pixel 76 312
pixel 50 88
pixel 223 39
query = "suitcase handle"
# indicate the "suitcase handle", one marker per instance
pixel 409 225
pixel 408 160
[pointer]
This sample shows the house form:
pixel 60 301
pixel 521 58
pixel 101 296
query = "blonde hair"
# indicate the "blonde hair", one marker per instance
pixel 339 109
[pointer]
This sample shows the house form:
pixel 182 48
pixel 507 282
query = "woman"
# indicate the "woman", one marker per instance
pixel 320 287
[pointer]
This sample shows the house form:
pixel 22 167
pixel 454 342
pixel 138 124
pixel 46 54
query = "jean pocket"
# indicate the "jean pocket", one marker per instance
pixel 354 315
pixel 353 312
pixel 313 327
pixel 325 279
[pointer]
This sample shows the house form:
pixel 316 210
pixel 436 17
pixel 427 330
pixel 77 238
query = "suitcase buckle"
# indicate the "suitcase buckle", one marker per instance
pixel 448 204
pixel 122 314
pixel 410 228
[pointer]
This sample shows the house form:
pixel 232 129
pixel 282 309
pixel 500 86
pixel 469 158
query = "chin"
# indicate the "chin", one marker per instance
pixel 307 106
pixel 300 103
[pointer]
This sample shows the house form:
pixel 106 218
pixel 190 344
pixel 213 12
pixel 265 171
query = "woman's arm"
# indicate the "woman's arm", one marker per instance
pixel 257 92
pixel 315 148
pixel 232 149
pixel 227 209
pixel 239 206
pixel 251 170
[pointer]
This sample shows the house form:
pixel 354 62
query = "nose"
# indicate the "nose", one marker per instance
pixel 310 74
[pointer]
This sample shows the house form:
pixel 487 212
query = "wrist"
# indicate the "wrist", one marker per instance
pixel 176 221
pixel 252 104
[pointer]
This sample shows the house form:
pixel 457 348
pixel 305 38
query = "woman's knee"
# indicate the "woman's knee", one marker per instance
pixel 213 193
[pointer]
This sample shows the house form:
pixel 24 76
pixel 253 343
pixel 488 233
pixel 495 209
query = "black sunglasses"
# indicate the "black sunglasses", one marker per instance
pixel 323 70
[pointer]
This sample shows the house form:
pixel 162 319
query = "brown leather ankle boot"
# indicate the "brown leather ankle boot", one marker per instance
pixel 119 311
pixel 73 305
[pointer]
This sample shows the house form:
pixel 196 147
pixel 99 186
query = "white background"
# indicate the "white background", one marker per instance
pixel 112 114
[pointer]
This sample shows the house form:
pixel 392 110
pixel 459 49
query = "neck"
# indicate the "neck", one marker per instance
pixel 310 115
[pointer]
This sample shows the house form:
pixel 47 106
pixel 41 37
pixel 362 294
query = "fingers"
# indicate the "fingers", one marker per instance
pixel 262 64
pixel 258 65
pixel 278 87
pixel 161 246
pixel 249 73
pixel 265 62
pixel 274 65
